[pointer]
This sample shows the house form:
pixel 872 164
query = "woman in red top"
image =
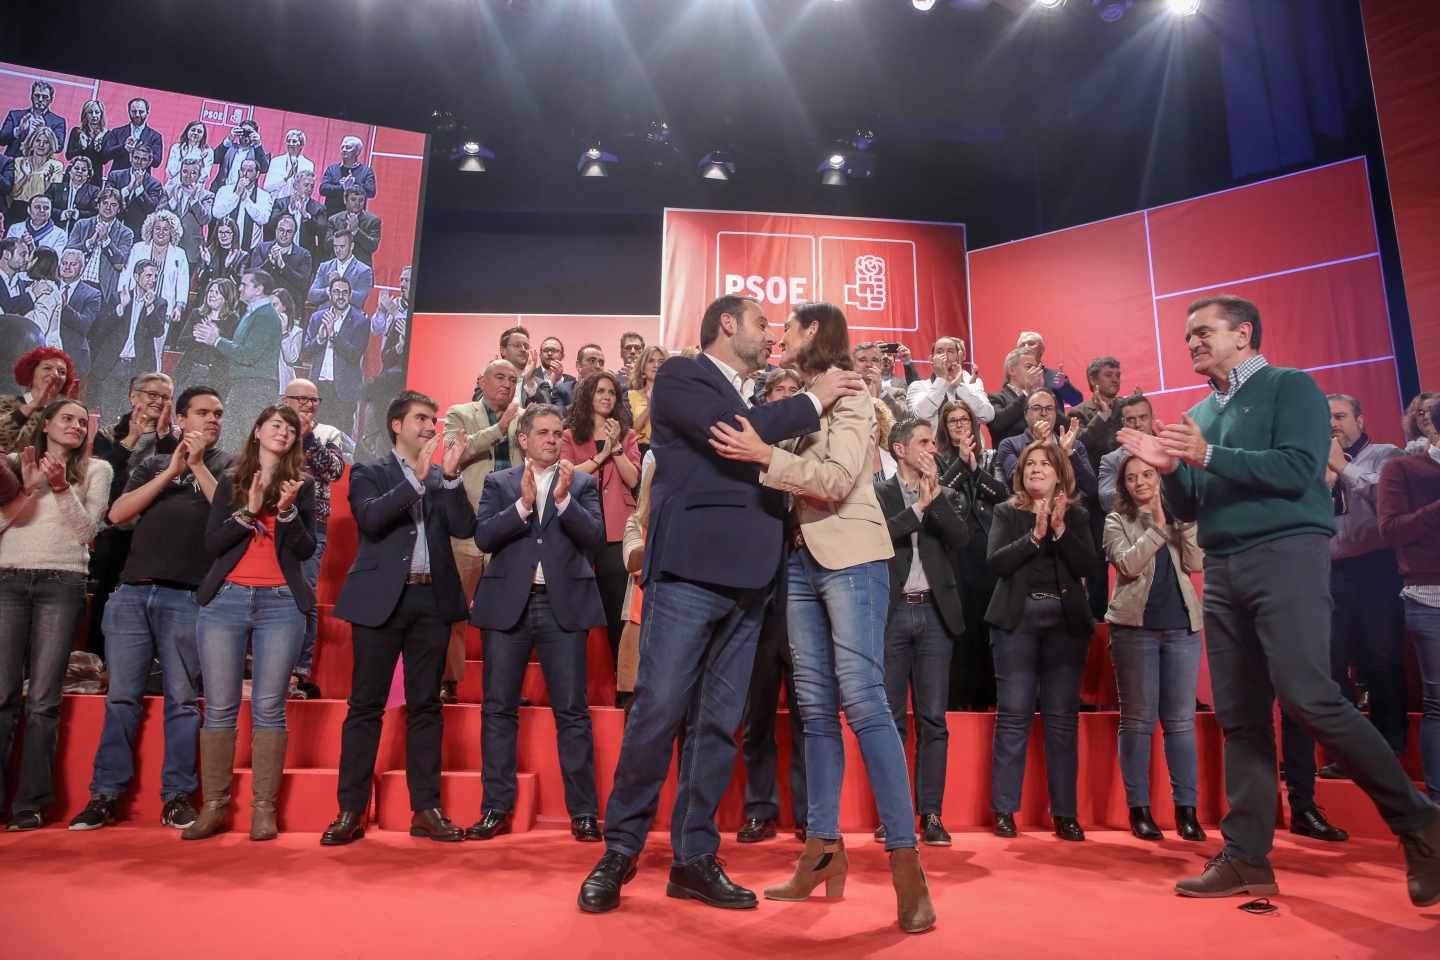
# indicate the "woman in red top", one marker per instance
pixel 598 439
pixel 261 529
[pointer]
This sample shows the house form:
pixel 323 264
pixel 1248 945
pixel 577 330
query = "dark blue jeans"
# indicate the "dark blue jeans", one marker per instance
pixel 1424 624
pixel 38 613
pixel 917 659
pixel 562 659
pixel 1156 672
pixel 837 642
pixel 266 620
pixel 773 669
pixel 141 623
pixel 311 569
pixel 1041 655
pixel 697 647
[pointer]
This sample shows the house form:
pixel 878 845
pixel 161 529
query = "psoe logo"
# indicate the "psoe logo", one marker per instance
pixel 868 292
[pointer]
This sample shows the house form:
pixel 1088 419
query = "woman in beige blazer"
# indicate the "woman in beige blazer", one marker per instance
pixel 1154 619
pixel 838 593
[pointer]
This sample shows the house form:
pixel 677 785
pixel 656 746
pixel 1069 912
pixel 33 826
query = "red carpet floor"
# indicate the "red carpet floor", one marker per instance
pixel 140 892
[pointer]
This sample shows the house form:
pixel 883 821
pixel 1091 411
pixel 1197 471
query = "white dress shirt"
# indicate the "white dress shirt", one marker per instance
pixel 278 181
pixel 544 479
pixel 926 397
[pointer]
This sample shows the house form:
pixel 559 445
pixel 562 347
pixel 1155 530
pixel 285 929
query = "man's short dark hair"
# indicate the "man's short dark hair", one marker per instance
pixel 778 376
pixel 182 402
pixel 8 245
pixel 399 408
pixel 135 100
pixel 902 432
pixel 42 85
pixel 1345 397
pixel 1131 400
pixel 505 337
pixel 1045 390
pixel 631 335
pixel 580 354
pixel 265 281
pixel 288 216
pixel 339 279
pixel 1092 372
pixel 341 233
pixel 140 265
pixel 533 412
pixel 107 193
pixel 710 323
pixel 1237 310
pixel 356 189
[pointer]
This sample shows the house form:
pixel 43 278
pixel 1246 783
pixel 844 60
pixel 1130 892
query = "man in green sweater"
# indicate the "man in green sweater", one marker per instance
pixel 1248 465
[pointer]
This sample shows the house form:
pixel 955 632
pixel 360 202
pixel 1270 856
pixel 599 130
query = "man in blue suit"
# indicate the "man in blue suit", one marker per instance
pixel 19 124
pixel 119 141
pixel 80 308
pixel 539 523
pixel 335 342
pixel 345 264
pixel 712 553
pixel 401 596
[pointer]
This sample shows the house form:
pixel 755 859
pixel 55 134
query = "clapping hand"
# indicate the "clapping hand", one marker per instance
pixel 1057 514
pixel 289 490
pixel 194 446
pixel 612 432
pixel 206 332
pixel 1067 439
pixel 1042 522
pixel 54 470
pixel 1183 441
pixel 929 483
pixel 454 450
pixel 255 501
pixel 31 476
pixel 564 474
pixel 1147 448
pixel 179 459
pixel 528 487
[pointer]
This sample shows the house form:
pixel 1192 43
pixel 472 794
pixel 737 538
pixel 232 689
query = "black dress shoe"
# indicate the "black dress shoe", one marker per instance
pixel 1005 826
pixel 600 892
pixel 1142 825
pixel 1310 822
pixel 434 825
pixel 490 825
pixel 932 831
pixel 704 880
pixel 1068 828
pixel 585 829
pixel 1333 771
pixel 1187 825
pixel 347 827
pixel 754 830
pixel 448 692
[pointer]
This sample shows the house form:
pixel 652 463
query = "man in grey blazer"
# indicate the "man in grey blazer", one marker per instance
pixel 106 241
pixel 188 199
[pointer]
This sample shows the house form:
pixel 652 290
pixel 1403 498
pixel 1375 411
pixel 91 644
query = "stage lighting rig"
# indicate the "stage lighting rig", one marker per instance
pixel 1183 8
pixel 595 162
pixel 471 157
pixel 717 165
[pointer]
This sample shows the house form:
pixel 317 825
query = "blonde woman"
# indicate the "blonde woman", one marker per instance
pixel 86 139
pixel 641 380
pixel 36 172
pixel 160 241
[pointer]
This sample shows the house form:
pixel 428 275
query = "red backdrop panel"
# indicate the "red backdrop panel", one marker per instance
pixel 1303 247
pixel 448 350
pixel 1402 37
pixel 399 164
pixel 896 280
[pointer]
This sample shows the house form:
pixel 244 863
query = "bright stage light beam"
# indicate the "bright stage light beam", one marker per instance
pixel 1049 4
pixel 1183 8
pixel 924 6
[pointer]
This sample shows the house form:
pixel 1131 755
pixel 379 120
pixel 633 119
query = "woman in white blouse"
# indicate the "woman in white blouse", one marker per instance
pixel 45 534
pixel 160 241
pixel 285 169
pixel 193 143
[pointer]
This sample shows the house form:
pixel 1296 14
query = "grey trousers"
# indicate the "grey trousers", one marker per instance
pixel 1267 631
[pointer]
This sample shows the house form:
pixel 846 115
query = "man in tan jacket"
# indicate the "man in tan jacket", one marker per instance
pixel 489 424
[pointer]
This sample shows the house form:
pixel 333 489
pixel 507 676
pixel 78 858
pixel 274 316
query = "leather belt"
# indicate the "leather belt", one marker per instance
pixel 419 579
pixel 924 596
pixel 538 588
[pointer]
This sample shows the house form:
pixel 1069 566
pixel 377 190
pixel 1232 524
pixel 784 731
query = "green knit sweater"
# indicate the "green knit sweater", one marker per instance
pixel 1266 477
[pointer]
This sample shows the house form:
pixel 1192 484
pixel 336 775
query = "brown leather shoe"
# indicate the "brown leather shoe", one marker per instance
pixel 347 827
pixel 1226 876
pixel 434 825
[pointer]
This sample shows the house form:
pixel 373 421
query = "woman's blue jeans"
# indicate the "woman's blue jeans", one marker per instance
pixel 836 621
pixel 1156 672
pixel 266 619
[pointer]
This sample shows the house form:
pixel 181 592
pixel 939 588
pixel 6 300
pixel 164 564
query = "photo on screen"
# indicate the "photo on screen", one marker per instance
pixel 135 221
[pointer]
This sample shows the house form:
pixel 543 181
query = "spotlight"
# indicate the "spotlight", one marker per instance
pixel 595 162
pixel 832 171
pixel 717 165
pixel 1183 8
pixel 924 6
pixel 471 157
pixel 1111 11
pixel 1049 4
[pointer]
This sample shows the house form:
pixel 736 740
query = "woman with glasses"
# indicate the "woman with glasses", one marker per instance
pixel 45 534
pixel 254 597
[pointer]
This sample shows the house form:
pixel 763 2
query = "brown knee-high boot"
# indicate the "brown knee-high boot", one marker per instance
pixel 821 861
pixel 912 896
pixel 217 768
pixel 267 767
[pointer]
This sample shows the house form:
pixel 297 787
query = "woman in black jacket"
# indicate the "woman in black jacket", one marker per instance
pixel 968 469
pixel 254 595
pixel 1040 549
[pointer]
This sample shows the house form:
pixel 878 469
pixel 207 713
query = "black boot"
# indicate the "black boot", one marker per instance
pixel 1187 825
pixel 1143 825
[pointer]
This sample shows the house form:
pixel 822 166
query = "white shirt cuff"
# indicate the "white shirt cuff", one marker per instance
pixel 523 510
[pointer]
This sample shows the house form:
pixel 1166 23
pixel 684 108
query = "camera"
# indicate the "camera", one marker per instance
pixel 889 348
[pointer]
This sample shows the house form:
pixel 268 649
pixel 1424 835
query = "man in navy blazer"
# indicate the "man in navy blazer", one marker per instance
pixel 539 523
pixel 80 310
pixel 336 339
pixel 712 553
pixel 140 193
pixel 115 148
pixel 19 124
pixel 401 596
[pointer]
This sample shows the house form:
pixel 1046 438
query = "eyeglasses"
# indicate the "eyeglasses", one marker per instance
pixel 303 401
pixel 1035 408
pixel 154 396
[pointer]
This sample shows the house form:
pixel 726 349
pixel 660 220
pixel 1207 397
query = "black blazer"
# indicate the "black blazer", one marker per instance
pixel 226 540
pixel 77 318
pixel 380 499
pixel 87 200
pixel 1009 419
pixel 563 544
pixel 107 335
pixel 943 532
pixel 1013 557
